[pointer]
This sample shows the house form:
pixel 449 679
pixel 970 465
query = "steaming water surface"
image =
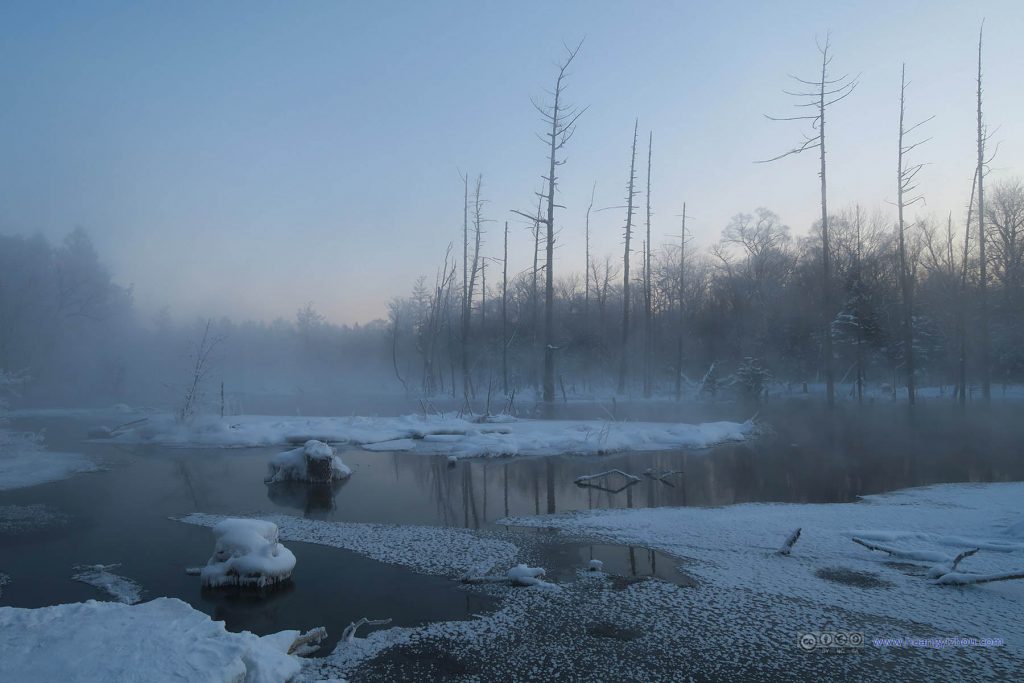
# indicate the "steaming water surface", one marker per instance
pixel 123 514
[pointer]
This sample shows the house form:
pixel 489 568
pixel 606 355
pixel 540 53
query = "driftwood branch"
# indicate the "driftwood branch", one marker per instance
pixel 787 547
pixel 350 631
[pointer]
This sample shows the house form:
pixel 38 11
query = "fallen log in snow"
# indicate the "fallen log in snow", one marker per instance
pixel 913 555
pixel 966 579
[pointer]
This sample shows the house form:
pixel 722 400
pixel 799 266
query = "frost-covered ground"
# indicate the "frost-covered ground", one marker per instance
pixel 24 461
pixel 161 640
pixel 743 618
pixel 439 435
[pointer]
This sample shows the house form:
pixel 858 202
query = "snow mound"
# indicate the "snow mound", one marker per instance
pixel 99 576
pixel 25 462
pixel 314 461
pixel 161 640
pixel 247 553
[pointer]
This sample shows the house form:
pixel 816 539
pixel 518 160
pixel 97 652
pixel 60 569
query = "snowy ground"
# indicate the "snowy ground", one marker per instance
pixel 161 640
pixel 743 618
pixel 435 435
pixel 25 462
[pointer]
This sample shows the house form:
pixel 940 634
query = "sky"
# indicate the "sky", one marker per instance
pixel 248 158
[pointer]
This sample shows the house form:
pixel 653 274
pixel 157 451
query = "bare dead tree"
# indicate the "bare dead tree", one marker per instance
pixel 586 266
pixel 818 95
pixel 648 318
pixel 560 118
pixel 470 271
pixel 630 196
pixel 201 357
pixel 681 320
pixel 985 342
pixel 905 188
pixel 504 315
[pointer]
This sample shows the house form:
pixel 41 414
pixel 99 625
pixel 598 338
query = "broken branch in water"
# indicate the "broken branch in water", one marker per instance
pixel 350 631
pixel 790 542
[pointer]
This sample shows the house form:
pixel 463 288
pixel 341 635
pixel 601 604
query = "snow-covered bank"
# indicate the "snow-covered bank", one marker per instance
pixel 436 435
pixel 24 461
pixel 161 640
pixel 734 548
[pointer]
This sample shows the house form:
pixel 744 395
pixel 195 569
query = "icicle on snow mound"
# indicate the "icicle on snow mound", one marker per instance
pixel 247 553
pixel 315 461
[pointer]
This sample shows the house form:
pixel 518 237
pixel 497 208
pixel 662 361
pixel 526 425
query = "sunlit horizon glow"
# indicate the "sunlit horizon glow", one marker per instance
pixel 247 159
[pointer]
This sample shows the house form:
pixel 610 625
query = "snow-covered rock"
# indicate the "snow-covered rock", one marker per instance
pixel 161 640
pixel 595 565
pixel 247 553
pixel 314 461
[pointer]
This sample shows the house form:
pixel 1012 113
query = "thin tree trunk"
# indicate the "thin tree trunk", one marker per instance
pixel 825 249
pixel 648 321
pixel 679 342
pixel 906 283
pixel 986 374
pixel 624 360
pixel 504 315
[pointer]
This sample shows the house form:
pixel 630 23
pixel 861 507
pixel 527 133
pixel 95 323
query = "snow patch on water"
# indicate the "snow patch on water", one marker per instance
pixel 118 587
pixel 25 462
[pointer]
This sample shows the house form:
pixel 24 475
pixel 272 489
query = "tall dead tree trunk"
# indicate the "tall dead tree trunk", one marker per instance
pixel 561 121
pixel 906 185
pixel 821 93
pixel 586 263
pixel 630 196
pixel 984 343
pixel 504 315
pixel 473 269
pixel 680 322
pixel 648 318
pixel 961 322
pixel 859 310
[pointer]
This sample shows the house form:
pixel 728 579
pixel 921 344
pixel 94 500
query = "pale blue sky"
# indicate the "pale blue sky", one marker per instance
pixel 247 157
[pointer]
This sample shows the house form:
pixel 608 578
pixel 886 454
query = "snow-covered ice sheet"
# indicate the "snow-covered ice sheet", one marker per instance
pixel 118 587
pixel 430 550
pixel 25 462
pixel 453 437
pixel 161 640
pixel 734 548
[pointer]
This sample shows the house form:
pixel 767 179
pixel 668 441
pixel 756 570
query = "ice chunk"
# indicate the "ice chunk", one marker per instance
pixel 314 461
pixel 247 553
pixel 99 575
